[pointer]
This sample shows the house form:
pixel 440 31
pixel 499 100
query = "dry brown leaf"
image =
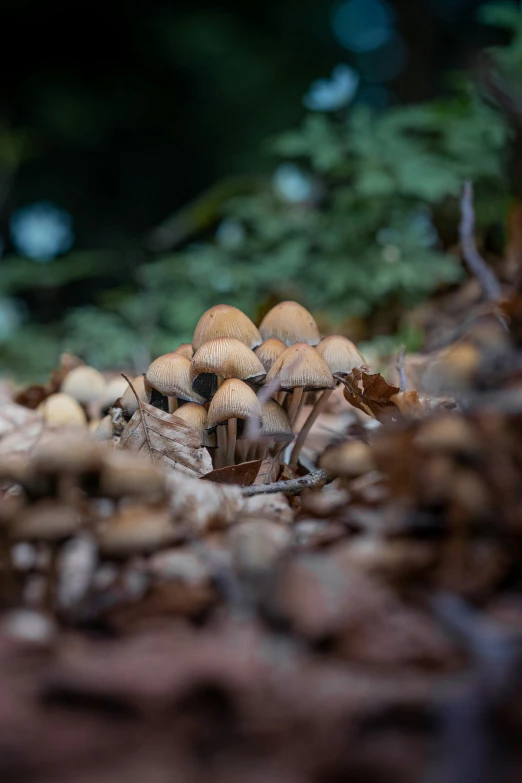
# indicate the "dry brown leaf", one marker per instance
pixel 13 416
pixel 167 439
pixel 202 505
pixel 243 474
pixel 269 470
pixel 369 392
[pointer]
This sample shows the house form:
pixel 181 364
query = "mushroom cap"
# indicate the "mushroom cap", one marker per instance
pixel 228 357
pixel 300 366
pixel 84 384
pixel 233 400
pixel 196 415
pixel 275 424
pixel 171 374
pixel 115 388
pixel 124 473
pixel 61 410
pixel 340 354
pixel 71 451
pixel 225 321
pixel 291 323
pixel 136 529
pixel 349 459
pixel 186 350
pixel 47 520
pixel 129 404
pixel 268 351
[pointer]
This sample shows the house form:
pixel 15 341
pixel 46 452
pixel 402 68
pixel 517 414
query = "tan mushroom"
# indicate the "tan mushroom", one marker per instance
pixel 291 323
pixel 225 321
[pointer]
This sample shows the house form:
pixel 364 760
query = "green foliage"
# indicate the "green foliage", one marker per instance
pixel 364 237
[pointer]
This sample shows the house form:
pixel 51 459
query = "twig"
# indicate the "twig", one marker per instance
pixel 291 487
pixel 145 430
pixel 403 382
pixel 476 264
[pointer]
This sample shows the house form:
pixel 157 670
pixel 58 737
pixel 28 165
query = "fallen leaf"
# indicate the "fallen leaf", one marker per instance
pixel 269 470
pixel 369 392
pixel 243 474
pixel 167 439
pixel 13 416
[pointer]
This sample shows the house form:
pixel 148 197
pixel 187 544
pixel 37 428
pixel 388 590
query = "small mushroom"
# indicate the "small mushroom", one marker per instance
pixel 115 388
pixel 225 321
pixel 136 529
pixel 224 358
pixel 84 384
pixel 171 376
pixel 186 350
pixel 196 415
pixel 61 410
pixel 291 323
pixel 129 403
pixel 268 351
pixel 233 400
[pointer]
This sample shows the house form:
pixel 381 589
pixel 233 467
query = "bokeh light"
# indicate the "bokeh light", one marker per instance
pixel 41 231
pixel 333 93
pixel 292 184
pixel 363 25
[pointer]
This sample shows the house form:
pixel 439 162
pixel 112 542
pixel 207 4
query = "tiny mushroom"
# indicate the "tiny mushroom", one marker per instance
pixel 85 384
pixel 62 410
pixel 196 415
pixel 291 323
pixel 233 400
pixel 129 403
pixel 268 351
pixel 186 350
pixel 171 376
pixel 224 358
pixel 225 321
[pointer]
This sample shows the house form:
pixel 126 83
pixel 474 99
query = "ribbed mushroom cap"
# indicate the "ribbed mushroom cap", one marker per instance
pixel 61 410
pixel 225 321
pixel 233 400
pixel 196 415
pixel 129 404
pixel 275 424
pixel 349 460
pixel 268 351
pixel 291 323
pixel 171 374
pixel 186 350
pixel 340 354
pixel 228 357
pixel 300 366
pixel 85 384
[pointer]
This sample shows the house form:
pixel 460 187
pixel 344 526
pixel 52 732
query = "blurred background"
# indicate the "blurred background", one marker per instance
pixel 158 161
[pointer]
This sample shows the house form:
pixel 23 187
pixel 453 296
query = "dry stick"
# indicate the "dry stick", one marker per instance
pixel 403 382
pixel 474 261
pixel 292 487
pixel 319 406
pixel 145 430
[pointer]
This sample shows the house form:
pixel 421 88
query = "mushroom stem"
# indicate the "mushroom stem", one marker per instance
pixel 295 405
pixel 221 450
pixel 173 404
pixel 307 426
pixel 232 437
pixel 242 447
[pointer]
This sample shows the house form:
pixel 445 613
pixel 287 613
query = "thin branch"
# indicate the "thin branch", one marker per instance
pixel 476 264
pixel 142 419
pixel 291 487
pixel 403 382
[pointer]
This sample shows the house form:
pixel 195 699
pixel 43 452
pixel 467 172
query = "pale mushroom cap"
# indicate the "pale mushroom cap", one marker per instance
pixel 129 404
pixel 340 354
pixel 45 521
pixel 227 357
pixel 291 323
pixel 71 450
pixel 61 410
pixel 225 321
pixel 114 389
pixel 196 415
pixel 349 460
pixel 136 529
pixel 233 400
pixel 275 423
pixel 85 384
pixel 124 473
pixel 186 350
pixel 171 374
pixel 268 351
pixel 300 366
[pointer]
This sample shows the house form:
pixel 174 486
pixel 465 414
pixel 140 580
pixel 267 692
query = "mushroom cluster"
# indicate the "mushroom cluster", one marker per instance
pixel 243 388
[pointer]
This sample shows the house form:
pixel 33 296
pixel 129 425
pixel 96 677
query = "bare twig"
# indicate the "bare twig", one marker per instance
pixel 142 419
pixel 291 487
pixel 403 382
pixel 476 264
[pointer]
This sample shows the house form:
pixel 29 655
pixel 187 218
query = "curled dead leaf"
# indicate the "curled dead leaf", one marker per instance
pixel 369 392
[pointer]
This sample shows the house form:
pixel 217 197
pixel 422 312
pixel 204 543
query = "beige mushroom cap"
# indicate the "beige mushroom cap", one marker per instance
pixel 291 323
pixel 129 403
pixel 233 400
pixel 300 366
pixel 84 384
pixel 196 415
pixel 225 321
pixel 349 460
pixel 171 374
pixel 186 350
pixel 275 424
pixel 136 529
pixel 340 354
pixel 49 521
pixel 228 357
pixel 61 410
pixel 268 351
